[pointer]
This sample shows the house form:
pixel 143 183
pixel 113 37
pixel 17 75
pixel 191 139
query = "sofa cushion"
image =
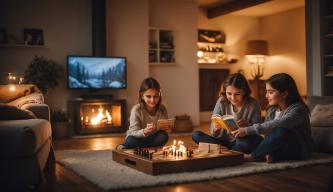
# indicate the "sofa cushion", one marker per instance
pixel 9 112
pixel 323 139
pixel 322 116
pixel 22 138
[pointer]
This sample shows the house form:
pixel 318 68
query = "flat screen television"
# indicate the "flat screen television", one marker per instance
pixel 90 72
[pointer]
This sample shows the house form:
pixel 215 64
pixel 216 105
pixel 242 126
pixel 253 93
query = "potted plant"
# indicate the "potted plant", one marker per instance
pixel 60 124
pixel 44 73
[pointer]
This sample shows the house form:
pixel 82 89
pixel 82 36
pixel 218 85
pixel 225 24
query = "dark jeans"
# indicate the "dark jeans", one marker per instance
pixel 244 144
pixel 159 138
pixel 281 143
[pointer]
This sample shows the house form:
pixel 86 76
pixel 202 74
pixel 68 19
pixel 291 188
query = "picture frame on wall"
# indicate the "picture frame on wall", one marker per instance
pixel 33 36
pixel 211 36
pixel 3 36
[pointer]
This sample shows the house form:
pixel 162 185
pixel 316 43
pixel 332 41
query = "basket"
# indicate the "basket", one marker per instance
pixel 183 124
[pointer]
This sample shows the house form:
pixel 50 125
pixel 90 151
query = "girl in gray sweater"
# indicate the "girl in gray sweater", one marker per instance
pixel 287 125
pixel 235 100
pixel 142 131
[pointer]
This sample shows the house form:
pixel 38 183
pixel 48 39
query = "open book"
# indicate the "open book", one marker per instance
pixel 162 123
pixel 227 122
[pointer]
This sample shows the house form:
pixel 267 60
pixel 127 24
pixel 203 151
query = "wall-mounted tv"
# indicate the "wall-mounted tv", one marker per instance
pixel 90 72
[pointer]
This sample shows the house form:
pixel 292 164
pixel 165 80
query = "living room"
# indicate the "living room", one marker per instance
pixel 67 30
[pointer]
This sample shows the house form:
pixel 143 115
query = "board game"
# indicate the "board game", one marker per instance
pixel 157 161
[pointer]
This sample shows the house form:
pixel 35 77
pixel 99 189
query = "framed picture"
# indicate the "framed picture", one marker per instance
pixel 33 36
pixel 211 36
pixel 3 36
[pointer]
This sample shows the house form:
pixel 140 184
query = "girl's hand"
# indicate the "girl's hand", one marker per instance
pixel 243 123
pixel 217 126
pixel 241 132
pixel 151 127
pixel 166 128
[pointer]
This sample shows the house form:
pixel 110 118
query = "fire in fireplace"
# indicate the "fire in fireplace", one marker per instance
pixel 98 116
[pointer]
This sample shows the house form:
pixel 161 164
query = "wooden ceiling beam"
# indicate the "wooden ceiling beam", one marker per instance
pixel 231 7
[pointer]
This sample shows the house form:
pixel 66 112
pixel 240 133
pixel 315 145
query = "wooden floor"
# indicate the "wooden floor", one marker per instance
pixel 311 178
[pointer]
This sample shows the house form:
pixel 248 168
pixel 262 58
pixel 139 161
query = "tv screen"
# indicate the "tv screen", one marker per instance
pixel 89 72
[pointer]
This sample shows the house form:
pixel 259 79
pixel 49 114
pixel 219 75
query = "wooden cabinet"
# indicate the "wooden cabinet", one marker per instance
pixel 210 81
pixel 258 89
pixel 161 46
pixel 326 10
pixel 21 45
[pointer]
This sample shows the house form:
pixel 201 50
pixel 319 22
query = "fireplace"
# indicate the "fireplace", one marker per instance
pixel 97 116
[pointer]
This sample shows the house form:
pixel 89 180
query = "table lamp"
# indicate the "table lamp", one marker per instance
pixel 256 50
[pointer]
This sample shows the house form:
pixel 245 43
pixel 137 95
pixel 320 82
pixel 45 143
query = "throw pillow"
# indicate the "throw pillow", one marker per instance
pixel 21 90
pixel 322 116
pixel 32 98
pixel 9 112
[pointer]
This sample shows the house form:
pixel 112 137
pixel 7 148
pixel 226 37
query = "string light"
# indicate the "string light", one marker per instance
pixel 12 88
pixel 13 79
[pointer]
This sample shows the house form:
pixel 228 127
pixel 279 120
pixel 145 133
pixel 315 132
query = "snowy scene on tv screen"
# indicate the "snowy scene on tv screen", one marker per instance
pixel 96 73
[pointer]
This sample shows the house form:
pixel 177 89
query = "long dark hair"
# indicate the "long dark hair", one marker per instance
pixel 284 82
pixel 237 80
pixel 150 83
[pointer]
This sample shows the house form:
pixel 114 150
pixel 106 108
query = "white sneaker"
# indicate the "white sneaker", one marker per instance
pixel 120 146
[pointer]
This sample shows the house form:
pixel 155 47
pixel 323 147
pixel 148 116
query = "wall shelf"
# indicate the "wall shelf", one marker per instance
pixel 161 46
pixel 329 16
pixel 163 64
pixel 21 45
pixel 326 25
pixel 210 53
pixel 329 75
pixel 329 35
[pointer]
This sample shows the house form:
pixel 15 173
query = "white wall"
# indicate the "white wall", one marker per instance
pixel 67 30
pixel 285 33
pixel 127 31
pixel 66 27
pixel 127 35
pixel 180 83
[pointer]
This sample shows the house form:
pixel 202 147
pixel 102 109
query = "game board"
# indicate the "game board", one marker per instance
pixel 156 161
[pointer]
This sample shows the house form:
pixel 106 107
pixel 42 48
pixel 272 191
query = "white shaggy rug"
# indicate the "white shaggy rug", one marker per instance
pixel 99 168
pixel 124 134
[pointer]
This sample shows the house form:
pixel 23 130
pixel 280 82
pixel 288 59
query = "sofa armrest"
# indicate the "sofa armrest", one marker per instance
pixel 41 111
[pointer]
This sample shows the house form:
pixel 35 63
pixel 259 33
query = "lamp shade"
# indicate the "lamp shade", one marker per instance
pixel 257 47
